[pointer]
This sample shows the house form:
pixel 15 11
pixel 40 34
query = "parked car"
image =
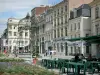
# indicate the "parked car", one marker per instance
pixel 53 52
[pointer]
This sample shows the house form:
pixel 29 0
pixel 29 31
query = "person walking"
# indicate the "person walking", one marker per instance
pixel 76 60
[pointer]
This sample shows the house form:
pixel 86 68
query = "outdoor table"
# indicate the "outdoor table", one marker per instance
pixel 76 66
pixel 44 62
pixel 94 64
pixel 60 63
pixel 51 63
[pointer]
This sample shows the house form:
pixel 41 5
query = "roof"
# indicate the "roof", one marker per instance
pixel 94 2
pixel 86 6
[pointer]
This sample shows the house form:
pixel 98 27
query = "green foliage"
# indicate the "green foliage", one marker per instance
pixel 2 55
pixel 26 70
pixel 11 60
pixel 35 51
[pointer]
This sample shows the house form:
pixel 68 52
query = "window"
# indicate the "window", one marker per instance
pixel 79 49
pixel 75 35
pixel 75 49
pixel 79 35
pixel 71 27
pixel 42 38
pixel 71 36
pixel 10 33
pixel 58 47
pixel 97 12
pixel 62 10
pixel 61 20
pixel 58 11
pixel 14 47
pixel 71 50
pixel 65 18
pixel 15 34
pixel 54 13
pixel 20 34
pixel 66 49
pixel 87 50
pixel 14 27
pixel 61 47
pixel 55 24
pixel 10 47
pixel 65 31
pixel 58 21
pixel 75 27
pixel 54 46
pixel 10 27
pixel 87 35
pixel 26 33
pixel 66 8
pixel 26 42
pixel 58 33
pixel 10 42
pixel 43 28
pixel 97 29
pixel 61 31
pixel 54 33
pixel 10 20
pixel 78 25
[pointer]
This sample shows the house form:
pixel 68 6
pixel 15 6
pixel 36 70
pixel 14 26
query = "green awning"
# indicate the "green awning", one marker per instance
pixel 95 38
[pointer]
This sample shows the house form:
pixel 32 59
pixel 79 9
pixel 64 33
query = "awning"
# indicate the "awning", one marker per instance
pixel 91 39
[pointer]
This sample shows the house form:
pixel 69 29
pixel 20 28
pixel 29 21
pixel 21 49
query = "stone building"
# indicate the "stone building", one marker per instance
pixel 35 14
pixel 79 26
pixel 12 34
pixel 95 27
pixel 48 29
pixel 60 23
pixel 24 34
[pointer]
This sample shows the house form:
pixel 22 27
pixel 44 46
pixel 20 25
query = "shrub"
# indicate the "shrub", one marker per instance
pixel 26 70
pixel 11 60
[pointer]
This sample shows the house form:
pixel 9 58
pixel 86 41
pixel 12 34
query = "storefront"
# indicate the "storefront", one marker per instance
pixel 88 45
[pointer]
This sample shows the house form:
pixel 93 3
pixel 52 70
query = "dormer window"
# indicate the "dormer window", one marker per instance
pixel 10 20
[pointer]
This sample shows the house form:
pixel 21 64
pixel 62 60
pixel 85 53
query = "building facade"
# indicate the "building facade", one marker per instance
pixel 45 31
pixel 35 15
pixel 48 29
pixel 12 34
pixel 60 23
pixel 79 26
pixel 95 26
pixel 24 34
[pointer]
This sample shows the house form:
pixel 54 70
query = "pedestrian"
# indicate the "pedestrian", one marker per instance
pixel 81 56
pixel 46 52
pixel 90 57
pixel 76 57
pixel 76 60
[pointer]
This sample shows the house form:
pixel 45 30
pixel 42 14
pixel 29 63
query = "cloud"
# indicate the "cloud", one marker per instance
pixel 18 9
pixel 12 5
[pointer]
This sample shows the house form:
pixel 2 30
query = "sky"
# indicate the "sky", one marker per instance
pixel 19 9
